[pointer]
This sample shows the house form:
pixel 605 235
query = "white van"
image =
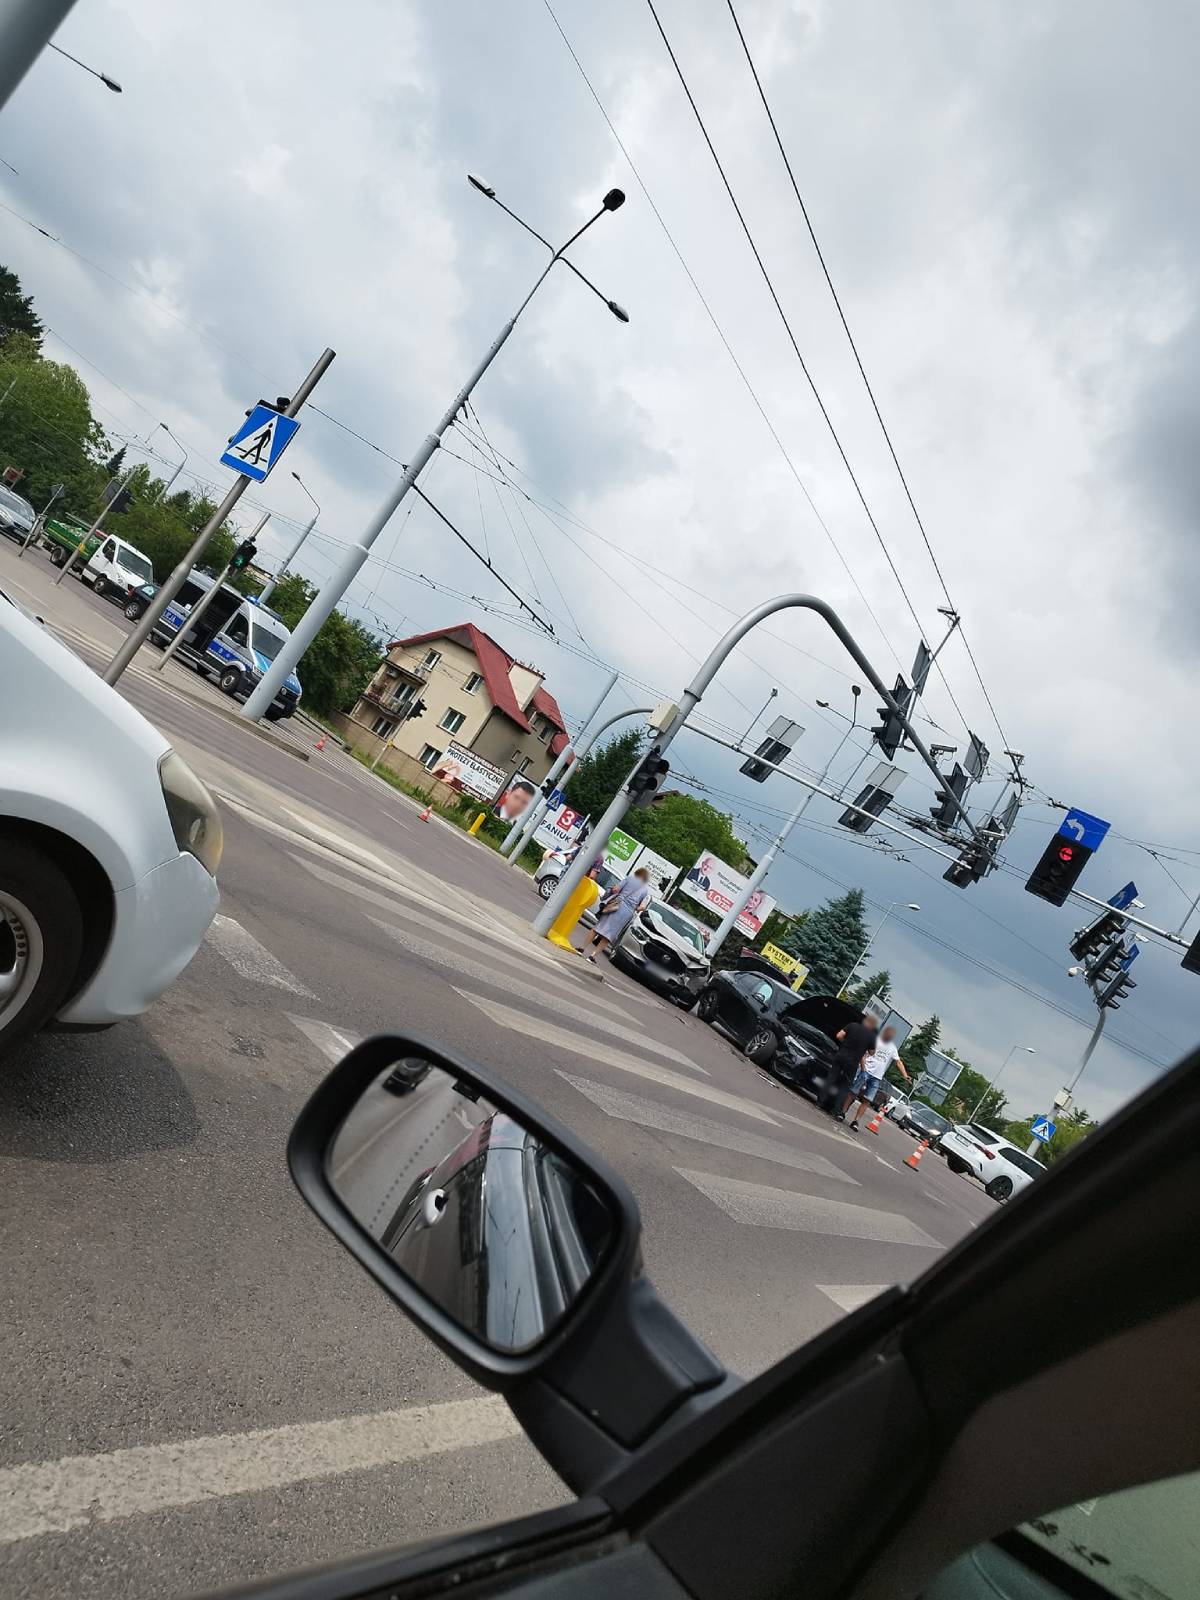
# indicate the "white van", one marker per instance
pixel 116 567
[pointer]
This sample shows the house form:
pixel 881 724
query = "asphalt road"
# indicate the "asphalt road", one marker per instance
pixel 197 1385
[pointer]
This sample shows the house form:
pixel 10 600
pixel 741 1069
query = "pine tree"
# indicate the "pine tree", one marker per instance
pixel 829 941
pixel 116 463
pixel 919 1043
pixel 879 983
pixel 16 310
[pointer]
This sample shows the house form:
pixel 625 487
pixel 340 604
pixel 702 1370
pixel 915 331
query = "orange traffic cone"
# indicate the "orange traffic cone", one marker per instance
pixel 320 744
pixel 914 1160
pixel 875 1123
pixel 424 817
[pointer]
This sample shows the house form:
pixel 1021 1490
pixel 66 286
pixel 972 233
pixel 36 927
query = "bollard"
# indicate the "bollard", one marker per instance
pixel 477 824
pixel 587 893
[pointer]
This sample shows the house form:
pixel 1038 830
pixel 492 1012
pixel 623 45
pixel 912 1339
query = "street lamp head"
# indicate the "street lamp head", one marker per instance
pixel 1030 1050
pixel 618 311
pixel 855 690
pixel 913 906
pixel 296 475
pixel 614 199
pixel 111 83
pixel 478 183
pixel 824 704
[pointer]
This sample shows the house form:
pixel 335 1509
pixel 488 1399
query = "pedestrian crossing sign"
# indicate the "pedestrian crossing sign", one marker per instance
pixel 1042 1128
pixel 259 442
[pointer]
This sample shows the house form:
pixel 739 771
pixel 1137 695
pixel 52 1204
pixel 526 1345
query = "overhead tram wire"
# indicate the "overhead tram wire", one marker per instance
pixel 816 393
pixel 480 557
pixel 859 362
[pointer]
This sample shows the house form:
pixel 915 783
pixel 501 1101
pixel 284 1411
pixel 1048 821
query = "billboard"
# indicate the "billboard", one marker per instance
pixel 517 794
pixel 662 872
pixel 560 829
pixel 715 884
pixel 462 769
pixel 938 1078
pixel 620 851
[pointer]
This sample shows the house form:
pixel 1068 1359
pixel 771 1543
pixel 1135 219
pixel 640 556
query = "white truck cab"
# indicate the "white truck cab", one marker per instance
pixel 116 567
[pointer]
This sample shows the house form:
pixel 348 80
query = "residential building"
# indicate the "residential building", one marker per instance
pixel 475 695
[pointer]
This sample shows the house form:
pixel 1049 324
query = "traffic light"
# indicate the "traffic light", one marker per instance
pixel 417 708
pixel 1058 870
pixel 944 813
pixel 643 787
pixel 1117 988
pixel 1109 926
pixel 890 733
pixel 775 748
pixel 975 861
pixel 281 404
pixel 119 498
pixel 1191 956
pixel 1108 962
pixel 243 555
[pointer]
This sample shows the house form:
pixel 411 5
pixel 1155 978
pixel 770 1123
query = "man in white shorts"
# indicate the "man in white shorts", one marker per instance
pixel 869 1079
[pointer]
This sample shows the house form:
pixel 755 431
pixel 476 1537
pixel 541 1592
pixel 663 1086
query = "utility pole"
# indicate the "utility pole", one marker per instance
pixel 110 501
pixel 39 522
pixel 205 600
pixel 269 589
pixel 351 562
pixel 26 28
pixel 525 825
pixel 1068 1093
pixel 729 921
pixel 174 583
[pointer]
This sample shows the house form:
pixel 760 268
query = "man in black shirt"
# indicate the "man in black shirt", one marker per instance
pixel 855 1041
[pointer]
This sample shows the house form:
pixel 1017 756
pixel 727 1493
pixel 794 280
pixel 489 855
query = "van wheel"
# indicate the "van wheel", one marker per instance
pixel 41 938
pixel 230 680
pixel 273 714
pixel 100 587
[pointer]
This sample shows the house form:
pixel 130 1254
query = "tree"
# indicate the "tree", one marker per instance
pixel 342 657
pixel 682 828
pixel 16 310
pixel 47 430
pixel 879 983
pixel 115 463
pixel 829 941
pixel 594 781
pixel 919 1043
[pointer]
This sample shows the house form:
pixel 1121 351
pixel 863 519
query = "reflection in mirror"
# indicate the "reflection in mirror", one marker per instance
pixel 498 1229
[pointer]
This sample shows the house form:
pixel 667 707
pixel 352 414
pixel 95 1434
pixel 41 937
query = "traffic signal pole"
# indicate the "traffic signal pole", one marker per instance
pixel 202 605
pixel 694 693
pixel 1033 1145
pixel 174 583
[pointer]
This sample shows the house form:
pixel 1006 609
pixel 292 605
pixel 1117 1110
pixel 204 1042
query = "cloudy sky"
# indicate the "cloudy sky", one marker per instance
pixel 1005 200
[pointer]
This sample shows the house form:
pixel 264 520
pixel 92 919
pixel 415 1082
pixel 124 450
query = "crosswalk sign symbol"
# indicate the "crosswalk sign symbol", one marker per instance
pixel 259 442
pixel 1042 1128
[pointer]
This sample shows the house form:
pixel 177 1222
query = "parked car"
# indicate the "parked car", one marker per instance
pixel 898 1102
pixel 116 567
pixel 138 598
pixel 109 845
pixel 555 862
pixel 794 1035
pixel 665 948
pixel 923 1122
pixel 234 641
pixel 1001 1167
pixel 17 516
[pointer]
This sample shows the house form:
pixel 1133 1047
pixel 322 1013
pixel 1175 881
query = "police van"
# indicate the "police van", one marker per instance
pixel 234 642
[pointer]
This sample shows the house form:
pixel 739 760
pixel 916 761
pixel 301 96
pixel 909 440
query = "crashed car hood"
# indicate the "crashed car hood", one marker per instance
pixel 687 952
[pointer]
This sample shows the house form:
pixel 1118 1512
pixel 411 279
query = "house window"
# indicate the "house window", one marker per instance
pixel 432 657
pixel 544 733
pixel 383 726
pixel 402 695
pixel 526 764
pixel 429 757
pixel 473 682
pixel 452 721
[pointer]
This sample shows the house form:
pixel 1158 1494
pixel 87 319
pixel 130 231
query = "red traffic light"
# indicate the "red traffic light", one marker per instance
pixel 1066 852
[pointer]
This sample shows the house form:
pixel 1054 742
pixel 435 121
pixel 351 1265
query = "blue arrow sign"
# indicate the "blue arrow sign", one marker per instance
pixel 1124 897
pixel 1131 956
pixel 1082 828
pixel 259 442
pixel 1042 1128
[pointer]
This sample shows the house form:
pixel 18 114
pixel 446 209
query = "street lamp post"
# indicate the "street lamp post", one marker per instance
pixel 994 1081
pixel 109 83
pixel 522 829
pixel 729 920
pixel 866 949
pixel 174 440
pixel 269 590
pixel 344 574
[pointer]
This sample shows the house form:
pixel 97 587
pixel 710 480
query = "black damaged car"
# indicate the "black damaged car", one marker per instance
pixel 793 1036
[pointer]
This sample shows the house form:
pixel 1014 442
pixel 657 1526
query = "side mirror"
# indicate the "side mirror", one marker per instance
pixel 508 1242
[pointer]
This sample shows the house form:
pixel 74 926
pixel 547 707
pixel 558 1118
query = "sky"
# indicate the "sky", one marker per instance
pixel 1004 199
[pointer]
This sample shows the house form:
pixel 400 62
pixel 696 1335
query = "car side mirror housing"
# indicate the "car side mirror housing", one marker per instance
pixel 508 1241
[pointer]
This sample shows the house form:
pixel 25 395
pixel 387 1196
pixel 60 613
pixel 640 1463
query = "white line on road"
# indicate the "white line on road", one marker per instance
pixel 849 1296
pixel 250 959
pixel 333 1043
pixel 666 1119
pixel 547 1033
pixel 546 996
pixel 758 1205
pixel 76 1491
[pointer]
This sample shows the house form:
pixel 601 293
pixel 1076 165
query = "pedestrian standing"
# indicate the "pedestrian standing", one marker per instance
pixel 871 1073
pixel 855 1042
pixel 619 910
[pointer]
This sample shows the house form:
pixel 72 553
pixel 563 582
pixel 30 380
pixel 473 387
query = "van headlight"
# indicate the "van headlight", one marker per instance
pixel 195 820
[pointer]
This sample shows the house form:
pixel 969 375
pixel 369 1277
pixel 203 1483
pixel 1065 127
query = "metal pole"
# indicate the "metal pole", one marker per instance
pixel 174 583
pixel 866 949
pixel 202 605
pixel 1086 1057
pixel 3 397
pixel 70 561
pixel 692 695
pixel 729 921
pixel 26 27
pixel 538 810
pixel 269 590
pixel 992 1082
pixel 39 522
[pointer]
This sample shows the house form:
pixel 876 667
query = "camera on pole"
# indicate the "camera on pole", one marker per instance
pixel 649 778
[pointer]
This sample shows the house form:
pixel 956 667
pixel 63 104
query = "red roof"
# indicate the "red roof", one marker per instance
pixel 494 663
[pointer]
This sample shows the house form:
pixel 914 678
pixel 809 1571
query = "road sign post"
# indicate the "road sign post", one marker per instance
pixel 174 583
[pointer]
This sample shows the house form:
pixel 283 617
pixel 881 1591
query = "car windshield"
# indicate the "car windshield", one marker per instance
pixel 16 507
pixel 265 640
pixel 679 924
pixel 134 561
pixel 932 1119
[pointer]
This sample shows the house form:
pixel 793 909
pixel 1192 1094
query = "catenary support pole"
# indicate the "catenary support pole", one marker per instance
pixel 538 810
pixel 269 588
pixel 174 583
pixel 79 548
pixel 26 28
pixel 39 522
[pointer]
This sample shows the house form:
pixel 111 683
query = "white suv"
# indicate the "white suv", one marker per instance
pixel 108 844
pixel 1001 1167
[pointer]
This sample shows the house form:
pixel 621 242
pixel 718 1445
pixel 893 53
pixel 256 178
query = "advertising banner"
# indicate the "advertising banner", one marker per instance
pixel 517 794
pixel 779 958
pixel 560 829
pixel 620 852
pixel 463 769
pixel 715 884
pixel 662 872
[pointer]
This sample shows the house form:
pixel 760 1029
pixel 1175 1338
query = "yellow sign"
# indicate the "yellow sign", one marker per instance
pixel 780 958
pixel 799 974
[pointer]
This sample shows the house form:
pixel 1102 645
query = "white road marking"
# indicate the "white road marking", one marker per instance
pixel 250 959
pixel 653 1114
pixel 849 1296
pixel 535 1028
pixel 76 1491
pixel 759 1206
pixel 548 995
pixel 332 1042
pixel 937 1200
